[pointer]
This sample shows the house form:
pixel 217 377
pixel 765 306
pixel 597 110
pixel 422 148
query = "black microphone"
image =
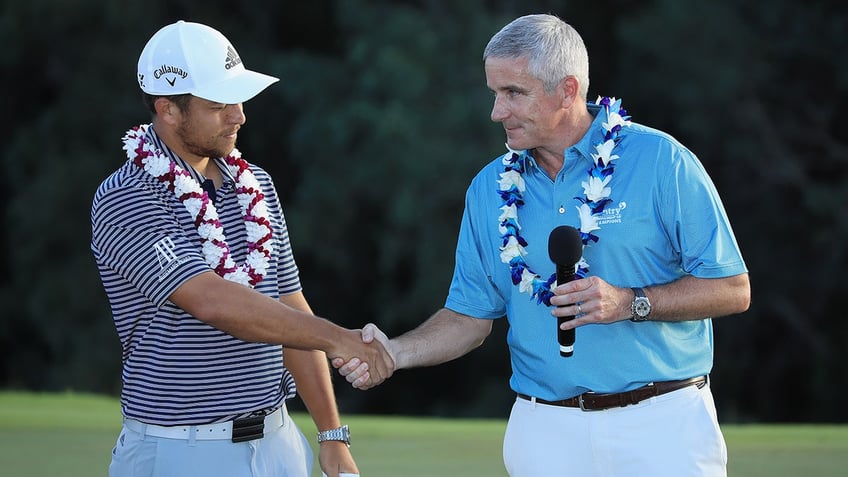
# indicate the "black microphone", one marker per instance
pixel 565 247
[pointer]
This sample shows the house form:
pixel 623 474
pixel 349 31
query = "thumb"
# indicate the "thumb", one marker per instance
pixel 369 332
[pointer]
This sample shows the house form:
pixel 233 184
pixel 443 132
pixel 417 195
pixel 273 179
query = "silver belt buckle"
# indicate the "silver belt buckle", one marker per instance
pixel 582 407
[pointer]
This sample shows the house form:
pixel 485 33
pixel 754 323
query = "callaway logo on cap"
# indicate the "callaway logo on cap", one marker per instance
pixel 192 58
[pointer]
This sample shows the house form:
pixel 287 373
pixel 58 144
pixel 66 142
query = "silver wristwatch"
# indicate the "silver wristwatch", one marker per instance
pixel 338 434
pixel 640 308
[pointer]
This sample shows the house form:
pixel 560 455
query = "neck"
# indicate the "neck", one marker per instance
pixel 202 164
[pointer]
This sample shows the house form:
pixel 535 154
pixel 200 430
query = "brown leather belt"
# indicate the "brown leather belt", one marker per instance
pixel 599 401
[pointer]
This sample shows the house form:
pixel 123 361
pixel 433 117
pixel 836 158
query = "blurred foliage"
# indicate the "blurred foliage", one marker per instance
pixel 379 122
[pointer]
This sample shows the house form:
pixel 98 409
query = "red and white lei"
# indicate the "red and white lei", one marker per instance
pixel 216 252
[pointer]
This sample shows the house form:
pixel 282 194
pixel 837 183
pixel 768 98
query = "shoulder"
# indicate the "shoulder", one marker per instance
pixel 266 182
pixel 261 174
pixel 648 134
pixel 488 173
pixel 126 188
pixel 124 178
pixel 647 142
pixel 645 136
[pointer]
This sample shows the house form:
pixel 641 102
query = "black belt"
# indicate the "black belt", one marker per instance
pixel 599 401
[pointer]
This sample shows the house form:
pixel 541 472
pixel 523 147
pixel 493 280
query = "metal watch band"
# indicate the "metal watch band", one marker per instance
pixel 338 434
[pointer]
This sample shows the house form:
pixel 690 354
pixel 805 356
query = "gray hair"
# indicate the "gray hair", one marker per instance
pixel 554 50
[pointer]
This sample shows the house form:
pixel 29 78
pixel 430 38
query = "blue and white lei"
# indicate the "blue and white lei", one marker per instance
pixel 596 196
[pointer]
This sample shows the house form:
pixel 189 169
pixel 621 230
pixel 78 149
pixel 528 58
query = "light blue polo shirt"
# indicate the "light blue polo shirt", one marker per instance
pixel 666 221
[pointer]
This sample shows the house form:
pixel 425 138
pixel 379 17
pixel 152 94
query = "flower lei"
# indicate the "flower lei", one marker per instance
pixel 596 196
pixel 216 252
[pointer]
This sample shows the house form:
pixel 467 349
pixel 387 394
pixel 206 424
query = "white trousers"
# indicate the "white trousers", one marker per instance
pixel 283 452
pixel 672 435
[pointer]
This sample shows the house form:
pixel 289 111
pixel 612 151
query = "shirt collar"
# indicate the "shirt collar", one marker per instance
pixel 595 135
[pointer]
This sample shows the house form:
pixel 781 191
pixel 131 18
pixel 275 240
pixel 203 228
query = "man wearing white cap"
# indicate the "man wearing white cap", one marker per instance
pixel 193 251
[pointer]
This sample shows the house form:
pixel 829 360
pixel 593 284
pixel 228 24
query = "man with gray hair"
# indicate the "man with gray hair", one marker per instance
pixel 627 394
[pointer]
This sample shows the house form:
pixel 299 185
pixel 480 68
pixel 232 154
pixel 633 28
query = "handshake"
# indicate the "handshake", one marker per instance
pixel 367 357
pixel 367 369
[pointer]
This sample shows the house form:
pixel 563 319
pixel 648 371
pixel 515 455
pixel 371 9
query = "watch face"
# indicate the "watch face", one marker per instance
pixel 642 307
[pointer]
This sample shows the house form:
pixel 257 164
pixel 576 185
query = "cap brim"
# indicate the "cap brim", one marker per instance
pixel 236 89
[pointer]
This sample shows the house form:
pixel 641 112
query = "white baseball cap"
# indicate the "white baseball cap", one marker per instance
pixel 186 57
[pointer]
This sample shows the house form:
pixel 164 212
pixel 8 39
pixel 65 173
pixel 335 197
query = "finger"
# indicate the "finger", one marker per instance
pixel 360 371
pixel 363 382
pixel 574 323
pixel 357 372
pixel 356 375
pixel 337 363
pixel 351 366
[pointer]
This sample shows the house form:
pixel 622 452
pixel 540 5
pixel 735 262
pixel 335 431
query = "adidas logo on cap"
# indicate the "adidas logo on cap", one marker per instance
pixel 233 59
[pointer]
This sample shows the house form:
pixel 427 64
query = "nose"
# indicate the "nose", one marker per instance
pixel 236 113
pixel 499 111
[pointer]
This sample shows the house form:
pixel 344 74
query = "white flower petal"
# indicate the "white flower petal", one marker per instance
pixel 595 189
pixel 212 254
pixel 193 205
pixel 527 279
pixel 511 178
pixel 256 260
pixel 239 275
pixel 511 250
pixel 588 222
pixel 509 212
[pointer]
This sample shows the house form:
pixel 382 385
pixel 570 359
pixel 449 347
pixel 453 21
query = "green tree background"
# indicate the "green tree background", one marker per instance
pixel 373 133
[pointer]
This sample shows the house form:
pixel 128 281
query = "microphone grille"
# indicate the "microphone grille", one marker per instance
pixel 565 247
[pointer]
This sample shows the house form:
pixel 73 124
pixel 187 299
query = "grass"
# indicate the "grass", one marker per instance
pixel 72 435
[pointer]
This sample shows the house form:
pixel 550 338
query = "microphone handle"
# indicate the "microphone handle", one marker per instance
pixel 565 338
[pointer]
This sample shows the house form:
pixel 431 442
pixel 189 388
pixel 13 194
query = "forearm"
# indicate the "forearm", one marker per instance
pixel 251 316
pixel 445 336
pixel 693 298
pixel 593 300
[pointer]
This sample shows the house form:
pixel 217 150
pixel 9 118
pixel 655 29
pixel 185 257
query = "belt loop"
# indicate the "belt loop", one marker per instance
pixel 143 431
pixel 192 436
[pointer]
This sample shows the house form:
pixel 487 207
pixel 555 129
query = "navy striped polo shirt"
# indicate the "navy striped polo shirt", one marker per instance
pixel 177 369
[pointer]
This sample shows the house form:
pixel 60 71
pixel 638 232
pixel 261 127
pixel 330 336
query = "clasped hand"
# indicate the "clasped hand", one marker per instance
pixel 590 300
pixel 358 371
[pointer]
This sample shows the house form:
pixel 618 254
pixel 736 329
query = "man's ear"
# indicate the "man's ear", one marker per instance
pixel 568 88
pixel 167 110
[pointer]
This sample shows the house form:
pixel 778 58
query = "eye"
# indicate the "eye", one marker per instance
pixel 508 92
